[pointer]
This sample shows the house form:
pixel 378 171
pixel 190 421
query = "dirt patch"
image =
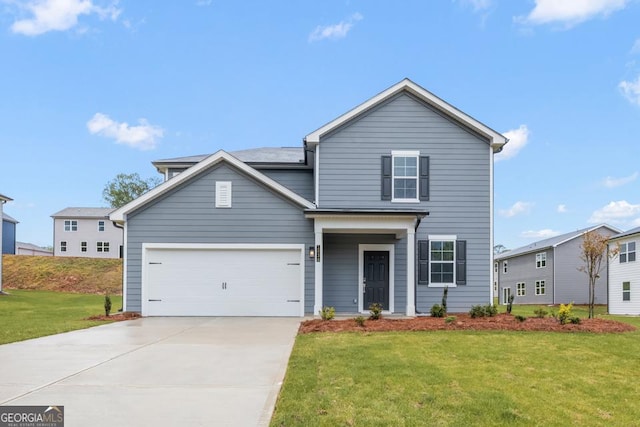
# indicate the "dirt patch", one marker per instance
pixel 501 322
pixel 128 315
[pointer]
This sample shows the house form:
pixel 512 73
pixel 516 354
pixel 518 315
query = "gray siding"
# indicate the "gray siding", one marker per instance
pixel 340 273
pixel 571 284
pixel 299 181
pixel 523 269
pixel 350 162
pixel 188 215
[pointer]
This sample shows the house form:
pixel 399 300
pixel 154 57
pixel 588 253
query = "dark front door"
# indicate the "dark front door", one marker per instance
pixel 376 279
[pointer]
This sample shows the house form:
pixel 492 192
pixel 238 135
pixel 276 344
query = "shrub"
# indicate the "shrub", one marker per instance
pixel 575 320
pixel 445 292
pixel 327 313
pixel 376 311
pixel 490 310
pixel 487 310
pixel 450 319
pixel 437 310
pixel 520 318
pixel 510 303
pixel 107 305
pixel 540 313
pixel 565 313
pixel 359 321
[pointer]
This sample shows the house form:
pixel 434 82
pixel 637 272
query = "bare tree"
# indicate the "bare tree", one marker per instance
pixel 595 256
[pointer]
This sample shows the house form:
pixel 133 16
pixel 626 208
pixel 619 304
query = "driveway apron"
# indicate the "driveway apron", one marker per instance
pixel 154 371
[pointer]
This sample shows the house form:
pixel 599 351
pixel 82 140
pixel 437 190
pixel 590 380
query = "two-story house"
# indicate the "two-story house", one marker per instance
pixel 548 271
pixel 86 232
pixel 9 225
pixel 624 273
pixel 3 199
pixel 388 203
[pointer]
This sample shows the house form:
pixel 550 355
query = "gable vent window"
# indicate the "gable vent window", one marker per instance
pixel 223 194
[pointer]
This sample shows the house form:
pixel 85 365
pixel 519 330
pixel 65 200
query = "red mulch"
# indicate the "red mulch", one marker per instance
pixel 501 322
pixel 127 315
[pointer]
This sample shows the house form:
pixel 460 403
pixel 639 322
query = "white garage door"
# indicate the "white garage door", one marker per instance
pixel 223 281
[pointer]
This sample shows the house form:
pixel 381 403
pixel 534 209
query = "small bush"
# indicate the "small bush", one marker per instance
pixel 107 305
pixel 488 310
pixel 565 313
pixel 376 311
pixel 575 320
pixel 510 303
pixel 520 318
pixel 445 292
pixel 450 319
pixel 359 321
pixel 437 310
pixel 327 313
pixel 540 313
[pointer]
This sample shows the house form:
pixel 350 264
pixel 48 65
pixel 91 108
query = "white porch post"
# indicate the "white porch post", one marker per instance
pixel 411 271
pixel 317 304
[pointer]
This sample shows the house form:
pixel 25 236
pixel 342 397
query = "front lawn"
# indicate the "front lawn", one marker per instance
pixel 462 378
pixel 31 314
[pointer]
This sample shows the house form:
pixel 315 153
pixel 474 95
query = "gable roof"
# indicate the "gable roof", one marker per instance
pixel 31 247
pixel 496 139
pixel 551 242
pixel 626 233
pixel 74 212
pixel 119 215
pixel 8 218
pixel 4 198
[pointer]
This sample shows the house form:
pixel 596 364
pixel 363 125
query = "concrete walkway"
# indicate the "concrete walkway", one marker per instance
pixel 154 371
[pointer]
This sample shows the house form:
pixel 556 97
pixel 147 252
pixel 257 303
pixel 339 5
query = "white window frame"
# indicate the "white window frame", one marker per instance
pixel 70 225
pixel 628 292
pixel 224 188
pixel 83 247
pixel 101 226
pixel 506 293
pixel 394 155
pixel 443 238
pixel 626 253
pixel 102 247
pixel 495 267
pixel 63 246
pixel 505 266
pixel 541 287
pixel 541 260
pixel 521 289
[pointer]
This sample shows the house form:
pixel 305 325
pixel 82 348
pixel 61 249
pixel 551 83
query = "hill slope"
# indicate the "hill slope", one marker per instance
pixel 62 274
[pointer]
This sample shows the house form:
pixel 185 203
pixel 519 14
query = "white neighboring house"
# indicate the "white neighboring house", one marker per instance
pixel 624 273
pixel 86 232
pixel 23 248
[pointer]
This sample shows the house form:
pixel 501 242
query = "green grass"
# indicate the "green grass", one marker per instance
pixel 31 314
pixel 461 378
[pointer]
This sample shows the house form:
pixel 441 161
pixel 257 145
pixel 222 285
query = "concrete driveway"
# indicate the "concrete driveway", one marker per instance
pixel 154 371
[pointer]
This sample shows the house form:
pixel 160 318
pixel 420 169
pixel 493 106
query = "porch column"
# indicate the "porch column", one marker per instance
pixel 411 271
pixel 317 304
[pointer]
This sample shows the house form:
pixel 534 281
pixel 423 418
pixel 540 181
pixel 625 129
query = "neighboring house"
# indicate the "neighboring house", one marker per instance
pixel 388 203
pixel 8 234
pixel 23 248
pixel 624 273
pixel 547 271
pixel 86 232
pixel 3 199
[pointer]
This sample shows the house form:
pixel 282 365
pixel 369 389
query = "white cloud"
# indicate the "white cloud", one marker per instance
pixel 516 209
pixel 611 182
pixel 631 90
pixel 636 47
pixel 59 15
pixel 478 5
pixel 518 138
pixel 571 12
pixel 562 209
pixel 144 136
pixel 615 213
pixel 336 31
pixel 540 234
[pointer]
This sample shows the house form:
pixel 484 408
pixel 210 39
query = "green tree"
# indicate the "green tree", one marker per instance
pixel 126 187
pixel 593 251
pixel 498 249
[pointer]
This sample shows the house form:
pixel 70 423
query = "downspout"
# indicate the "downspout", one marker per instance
pixel 116 225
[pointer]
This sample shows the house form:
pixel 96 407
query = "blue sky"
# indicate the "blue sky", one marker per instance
pixel 93 88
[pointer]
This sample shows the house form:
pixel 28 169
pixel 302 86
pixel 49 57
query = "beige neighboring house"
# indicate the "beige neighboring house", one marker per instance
pixel 86 232
pixel 23 248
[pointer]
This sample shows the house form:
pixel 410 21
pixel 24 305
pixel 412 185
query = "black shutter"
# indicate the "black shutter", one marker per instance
pixel 424 178
pixel 423 262
pixel 386 177
pixel 461 262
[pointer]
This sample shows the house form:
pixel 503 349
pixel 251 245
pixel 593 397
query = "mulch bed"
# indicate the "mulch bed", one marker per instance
pixel 117 317
pixel 501 322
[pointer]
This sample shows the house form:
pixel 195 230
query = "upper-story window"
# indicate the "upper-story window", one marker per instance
pixel 627 252
pixel 405 176
pixel 541 260
pixel 70 225
pixel 495 267
pixel 505 266
pixel 100 225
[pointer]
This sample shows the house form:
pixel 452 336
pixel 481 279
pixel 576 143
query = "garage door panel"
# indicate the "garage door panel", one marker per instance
pixel 223 282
